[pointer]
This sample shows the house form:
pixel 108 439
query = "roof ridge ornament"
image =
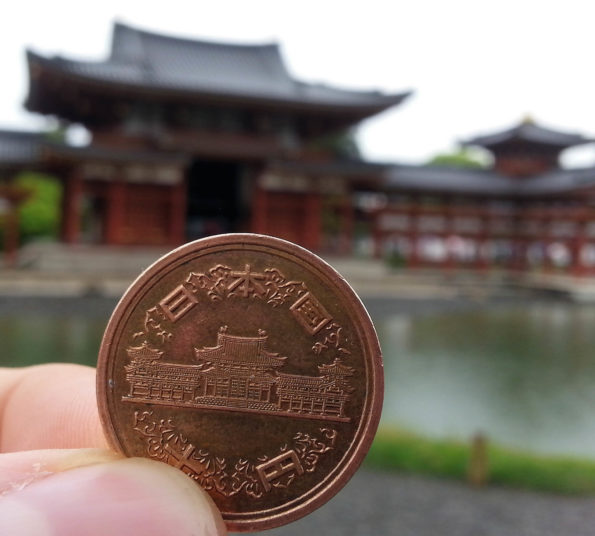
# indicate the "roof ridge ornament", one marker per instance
pixel 528 119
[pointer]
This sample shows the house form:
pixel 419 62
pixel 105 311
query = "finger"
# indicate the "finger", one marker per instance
pixel 120 497
pixel 20 469
pixel 49 406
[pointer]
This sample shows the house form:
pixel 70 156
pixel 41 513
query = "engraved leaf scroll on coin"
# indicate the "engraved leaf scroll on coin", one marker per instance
pixel 222 282
pixel 252 477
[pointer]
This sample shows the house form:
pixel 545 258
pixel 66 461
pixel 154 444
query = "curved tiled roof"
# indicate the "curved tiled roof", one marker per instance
pixel 531 133
pixel 149 61
pixel 23 149
pixel 449 179
pixel 558 181
pixel 485 182
pixel 18 147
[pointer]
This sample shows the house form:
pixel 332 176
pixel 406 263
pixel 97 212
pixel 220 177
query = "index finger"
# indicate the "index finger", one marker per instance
pixel 49 406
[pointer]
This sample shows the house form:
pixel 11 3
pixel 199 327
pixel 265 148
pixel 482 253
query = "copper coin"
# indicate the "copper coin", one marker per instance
pixel 251 365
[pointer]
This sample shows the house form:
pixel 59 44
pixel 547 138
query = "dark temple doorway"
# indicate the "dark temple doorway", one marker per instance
pixel 214 198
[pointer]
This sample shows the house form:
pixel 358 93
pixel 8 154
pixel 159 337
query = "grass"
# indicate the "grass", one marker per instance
pixel 404 451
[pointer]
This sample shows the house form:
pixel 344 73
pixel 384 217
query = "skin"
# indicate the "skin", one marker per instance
pixel 58 478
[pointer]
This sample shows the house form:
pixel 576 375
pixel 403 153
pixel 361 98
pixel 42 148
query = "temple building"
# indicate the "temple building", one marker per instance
pixel 523 213
pixel 238 374
pixel 238 368
pixel 319 395
pixel 193 138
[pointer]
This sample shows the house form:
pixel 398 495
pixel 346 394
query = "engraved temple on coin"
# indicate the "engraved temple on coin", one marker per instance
pixel 238 374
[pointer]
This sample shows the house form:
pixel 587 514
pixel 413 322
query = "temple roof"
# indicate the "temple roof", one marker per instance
pixel 20 148
pixel 558 181
pixel 528 132
pixel 483 182
pixel 344 167
pixel 449 180
pixel 62 151
pixel 145 61
pixel 25 150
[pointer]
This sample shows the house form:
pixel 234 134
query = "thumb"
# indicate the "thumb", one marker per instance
pixel 94 492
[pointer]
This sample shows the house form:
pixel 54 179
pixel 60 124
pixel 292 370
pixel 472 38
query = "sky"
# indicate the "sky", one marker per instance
pixel 474 66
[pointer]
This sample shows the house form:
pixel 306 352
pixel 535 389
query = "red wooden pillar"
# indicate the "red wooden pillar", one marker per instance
pixel 448 235
pixel 413 261
pixel 14 197
pixel 377 234
pixel 71 207
pixel 577 267
pixel 312 221
pixel 346 244
pixel 517 246
pixel 114 214
pixel 520 244
pixel 260 207
pixel 177 213
pixel 481 261
pixel 524 260
pixel 547 239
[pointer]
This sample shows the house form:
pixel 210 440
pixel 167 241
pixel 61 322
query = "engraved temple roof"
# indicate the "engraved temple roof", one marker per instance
pixel 143 353
pixel 336 368
pixel 234 350
pixel 285 380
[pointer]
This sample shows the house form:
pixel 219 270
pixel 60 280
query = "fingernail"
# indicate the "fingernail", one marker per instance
pixel 122 497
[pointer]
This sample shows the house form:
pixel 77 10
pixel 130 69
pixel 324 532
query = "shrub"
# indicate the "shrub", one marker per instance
pixel 39 216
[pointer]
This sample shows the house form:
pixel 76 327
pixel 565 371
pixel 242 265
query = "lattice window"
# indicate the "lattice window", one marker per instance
pixel 238 388
pixel 222 388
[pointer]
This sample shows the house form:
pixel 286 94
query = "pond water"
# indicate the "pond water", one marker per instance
pixel 522 374
pixel 29 339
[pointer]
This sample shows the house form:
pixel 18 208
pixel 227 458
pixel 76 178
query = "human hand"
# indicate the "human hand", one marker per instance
pixel 58 478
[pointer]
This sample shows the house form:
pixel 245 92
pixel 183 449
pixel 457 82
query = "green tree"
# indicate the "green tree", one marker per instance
pixel 340 145
pixel 39 216
pixel 463 157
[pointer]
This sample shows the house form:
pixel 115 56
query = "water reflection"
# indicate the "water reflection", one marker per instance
pixel 32 339
pixel 523 375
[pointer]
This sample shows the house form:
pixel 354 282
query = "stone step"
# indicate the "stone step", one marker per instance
pixel 80 259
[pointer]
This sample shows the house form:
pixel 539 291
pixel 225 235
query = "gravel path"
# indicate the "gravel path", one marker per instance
pixel 375 503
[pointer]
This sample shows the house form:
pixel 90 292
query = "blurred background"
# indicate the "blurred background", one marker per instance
pixel 440 156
